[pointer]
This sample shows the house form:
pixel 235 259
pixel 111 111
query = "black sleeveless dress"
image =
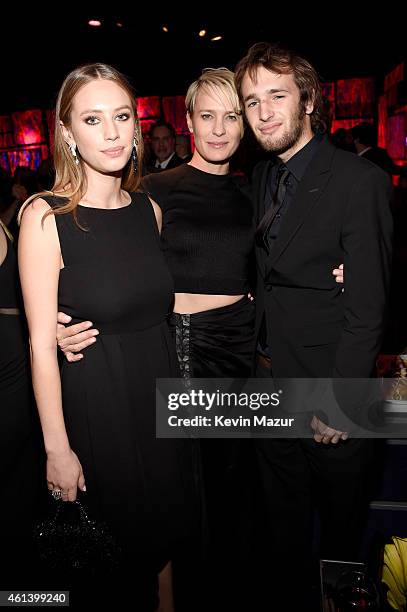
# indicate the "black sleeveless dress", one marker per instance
pixel 21 451
pixel 115 276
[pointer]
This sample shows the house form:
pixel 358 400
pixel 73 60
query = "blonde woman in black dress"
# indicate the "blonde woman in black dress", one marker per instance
pixel 91 248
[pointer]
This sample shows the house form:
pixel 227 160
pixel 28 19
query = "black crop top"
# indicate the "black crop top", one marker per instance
pixel 207 233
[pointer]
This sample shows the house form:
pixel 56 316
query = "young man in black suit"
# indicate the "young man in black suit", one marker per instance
pixel 314 205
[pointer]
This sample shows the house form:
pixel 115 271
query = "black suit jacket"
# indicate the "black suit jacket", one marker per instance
pixel 174 162
pixel 340 214
pixel 381 158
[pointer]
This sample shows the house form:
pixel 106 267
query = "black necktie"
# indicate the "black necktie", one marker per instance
pixel 277 201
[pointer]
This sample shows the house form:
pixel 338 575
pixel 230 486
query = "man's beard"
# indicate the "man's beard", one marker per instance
pixel 290 138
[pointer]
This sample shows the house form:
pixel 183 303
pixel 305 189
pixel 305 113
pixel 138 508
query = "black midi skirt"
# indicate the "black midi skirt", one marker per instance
pixel 217 343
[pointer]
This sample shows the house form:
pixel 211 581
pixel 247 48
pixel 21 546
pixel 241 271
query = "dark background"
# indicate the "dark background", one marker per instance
pixel 40 48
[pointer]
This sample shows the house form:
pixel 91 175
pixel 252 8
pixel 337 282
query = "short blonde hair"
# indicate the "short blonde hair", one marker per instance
pixel 215 80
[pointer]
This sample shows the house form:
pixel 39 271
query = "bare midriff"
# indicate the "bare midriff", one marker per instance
pixel 191 303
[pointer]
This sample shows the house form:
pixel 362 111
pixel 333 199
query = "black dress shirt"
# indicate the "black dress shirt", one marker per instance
pixel 297 166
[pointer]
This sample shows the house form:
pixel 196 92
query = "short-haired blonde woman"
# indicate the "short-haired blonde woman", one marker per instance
pixel 207 236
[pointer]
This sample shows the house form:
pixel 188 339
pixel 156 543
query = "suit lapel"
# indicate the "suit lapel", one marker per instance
pixel 309 191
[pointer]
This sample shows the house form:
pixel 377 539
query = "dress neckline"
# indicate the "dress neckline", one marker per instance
pixel 209 175
pixel 108 209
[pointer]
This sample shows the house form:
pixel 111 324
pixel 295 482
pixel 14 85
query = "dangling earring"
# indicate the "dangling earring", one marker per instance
pixel 134 155
pixel 74 153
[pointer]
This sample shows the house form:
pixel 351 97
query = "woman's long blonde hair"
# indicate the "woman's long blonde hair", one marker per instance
pixel 70 177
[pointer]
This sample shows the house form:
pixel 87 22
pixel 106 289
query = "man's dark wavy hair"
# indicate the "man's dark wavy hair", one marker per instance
pixel 283 61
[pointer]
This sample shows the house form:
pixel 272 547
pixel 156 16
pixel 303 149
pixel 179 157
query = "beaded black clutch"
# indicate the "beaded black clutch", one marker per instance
pixel 71 543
